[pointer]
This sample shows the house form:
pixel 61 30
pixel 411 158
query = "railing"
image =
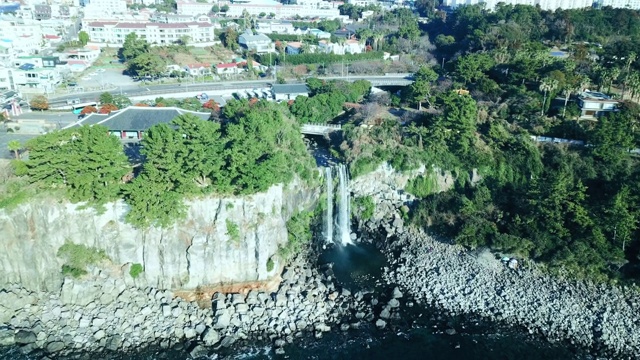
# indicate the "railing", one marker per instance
pixel 319 129
pixel 556 140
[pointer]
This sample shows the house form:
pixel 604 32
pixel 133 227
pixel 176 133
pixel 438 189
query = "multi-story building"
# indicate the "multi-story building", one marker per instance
pixel 105 9
pixel 595 104
pixel 276 27
pixel 259 43
pixel 175 19
pixel 114 33
pixel 306 8
pixel 631 4
pixel 349 47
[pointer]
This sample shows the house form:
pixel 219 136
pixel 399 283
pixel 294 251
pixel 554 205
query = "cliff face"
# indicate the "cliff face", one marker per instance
pixel 195 252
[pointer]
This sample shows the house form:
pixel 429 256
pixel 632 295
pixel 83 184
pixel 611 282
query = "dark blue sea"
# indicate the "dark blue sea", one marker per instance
pixel 418 334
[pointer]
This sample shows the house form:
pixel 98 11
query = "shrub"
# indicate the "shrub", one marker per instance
pixel 233 231
pixel 365 207
pixel 68 270
pixel 135 270
pixel 422 186
pixel 299 230
pixel 78 257
pixel 270 265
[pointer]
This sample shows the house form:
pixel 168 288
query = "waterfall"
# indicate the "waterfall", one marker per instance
pixel 329 215
pixel 344 206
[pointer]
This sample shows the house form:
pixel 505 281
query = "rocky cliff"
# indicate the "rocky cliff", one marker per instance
pixel 195 252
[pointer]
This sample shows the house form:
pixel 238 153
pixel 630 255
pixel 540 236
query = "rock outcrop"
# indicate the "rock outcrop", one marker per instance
pixel 195 252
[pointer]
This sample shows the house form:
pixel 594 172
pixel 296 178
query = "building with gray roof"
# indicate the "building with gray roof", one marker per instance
pixel 130 123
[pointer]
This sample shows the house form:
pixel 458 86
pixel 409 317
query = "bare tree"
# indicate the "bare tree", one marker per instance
pixel 381 98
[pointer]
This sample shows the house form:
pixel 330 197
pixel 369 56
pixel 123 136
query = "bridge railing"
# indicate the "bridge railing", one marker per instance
pixel 332 126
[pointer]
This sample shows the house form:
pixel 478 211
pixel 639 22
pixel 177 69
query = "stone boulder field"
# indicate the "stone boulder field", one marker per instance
pixel 109 317
pixel 599 317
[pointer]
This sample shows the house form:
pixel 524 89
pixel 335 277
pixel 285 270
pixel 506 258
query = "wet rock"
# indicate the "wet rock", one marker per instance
pixel 380 324
pixel 198 352
pixel 397 294
pixel 24 337
pixel 450 331
pixel 54 346
pixel 210 337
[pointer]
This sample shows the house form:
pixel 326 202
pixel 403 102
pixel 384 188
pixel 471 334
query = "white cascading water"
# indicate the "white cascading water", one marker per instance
pixel 329 215
pixel 344 207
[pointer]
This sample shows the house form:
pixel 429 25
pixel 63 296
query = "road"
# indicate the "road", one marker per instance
pixel 159 90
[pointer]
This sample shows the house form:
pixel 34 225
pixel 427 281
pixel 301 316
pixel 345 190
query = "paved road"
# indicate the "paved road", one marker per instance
pixel 138 90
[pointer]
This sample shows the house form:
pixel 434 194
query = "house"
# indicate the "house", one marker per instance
pixel 130 124
pixel 228 69
pixel 595 104
pixel 275 27
pixel 319 34
pixel 198 69
pixel 77 66
pixel 260 43
pixel 293 48
pixel 281 92
pixel 349 47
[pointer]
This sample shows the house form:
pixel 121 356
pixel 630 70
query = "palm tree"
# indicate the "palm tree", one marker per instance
pixel 547 85
pixel 581 82
pixel 611 75
pixel 15 146
pixel 634 84
pixel 630 60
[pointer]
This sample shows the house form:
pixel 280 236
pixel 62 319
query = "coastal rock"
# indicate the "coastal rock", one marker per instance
pixel 380 324
pixel 23 337
pixel 211 337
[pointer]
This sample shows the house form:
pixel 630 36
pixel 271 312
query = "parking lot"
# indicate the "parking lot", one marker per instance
pixel 102 78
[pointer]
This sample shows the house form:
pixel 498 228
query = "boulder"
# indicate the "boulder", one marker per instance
pixel 190 333
pixel 7 337
pixel 394 303
pixel 24 337
pixel 210 337
pixel 380 324
pixel 198 352
pixel 98 335
pixel 114 343
pixel 397 294
pixel 55 346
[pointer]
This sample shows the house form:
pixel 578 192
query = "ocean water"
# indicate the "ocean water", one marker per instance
pixel 418 334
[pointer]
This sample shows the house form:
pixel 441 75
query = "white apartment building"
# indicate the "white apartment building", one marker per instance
pixel 105 9
pixel 24 36
pixel 114 33
pixel 544 4
pixel 363 3
pixel 308 8
pixel 631 4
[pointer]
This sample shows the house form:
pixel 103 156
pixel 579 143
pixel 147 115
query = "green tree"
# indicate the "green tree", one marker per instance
pixel 472 67
pixel 147 64
pixel 611 138
pixel 120 101
pixel 224 8
pixel 133 46
pixel 106 98
pixel 15 146
pixel 459 114
pixel 215 9
pixel 87 161
pixel 83 37
pixel 230 38
pixel 421 87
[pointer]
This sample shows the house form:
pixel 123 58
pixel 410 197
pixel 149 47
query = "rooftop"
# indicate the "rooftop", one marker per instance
pixel 594 95
pixel 289 88
pixel 137 118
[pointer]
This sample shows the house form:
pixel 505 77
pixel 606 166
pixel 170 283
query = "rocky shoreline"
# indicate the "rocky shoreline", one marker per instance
pixel 109 317
pixel 602 318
